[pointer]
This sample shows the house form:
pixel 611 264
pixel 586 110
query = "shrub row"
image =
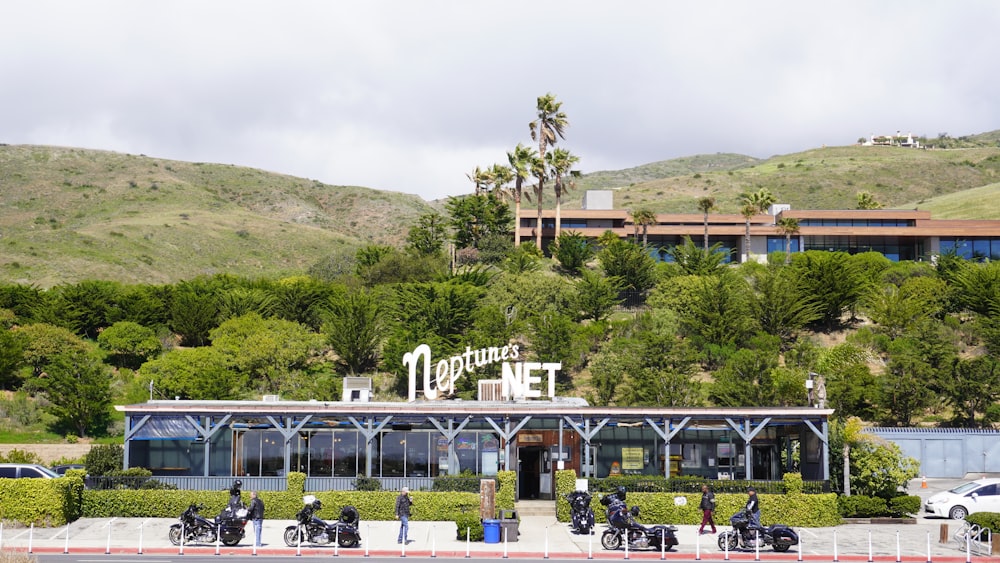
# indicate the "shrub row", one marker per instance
pixel 42 502
pixel 692 484
pixel 860 506
pixel 989 520
pixel 793 508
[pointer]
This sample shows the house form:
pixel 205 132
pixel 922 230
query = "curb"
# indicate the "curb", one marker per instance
pixel 488 554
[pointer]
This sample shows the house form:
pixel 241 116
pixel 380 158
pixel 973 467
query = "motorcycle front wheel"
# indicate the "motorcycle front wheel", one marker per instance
pixel 347 540
pixel 611 540
pixel 292 536
pixel 728 540
pixel 175 534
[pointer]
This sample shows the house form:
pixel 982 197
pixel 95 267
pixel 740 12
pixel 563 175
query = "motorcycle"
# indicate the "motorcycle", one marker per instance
pixel 582 516
pixel 743 535
pixel 310 528
pixel 623 527
pixel 194 528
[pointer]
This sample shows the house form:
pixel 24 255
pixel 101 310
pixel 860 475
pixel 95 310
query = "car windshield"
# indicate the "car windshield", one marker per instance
pixel 962 489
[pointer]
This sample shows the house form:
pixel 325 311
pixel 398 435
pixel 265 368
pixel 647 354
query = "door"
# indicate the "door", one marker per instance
pixel 764 462
pixel 529 471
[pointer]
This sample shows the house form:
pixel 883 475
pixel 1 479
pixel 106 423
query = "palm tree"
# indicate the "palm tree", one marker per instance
pixel 500 176
pixel 643 218
pixel 706 204
pixel 560 163
pixel 520 165
pixel 481 178
pixel 539 172
pixel 547 129
pixel 867 201
pixel 752 204
pixel 788 226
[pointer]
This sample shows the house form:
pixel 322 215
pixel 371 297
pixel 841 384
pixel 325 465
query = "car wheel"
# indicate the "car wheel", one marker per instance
pixel 958 513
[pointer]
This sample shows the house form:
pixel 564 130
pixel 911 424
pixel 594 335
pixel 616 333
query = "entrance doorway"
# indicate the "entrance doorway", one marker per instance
pixel 765 462
pixel 529 472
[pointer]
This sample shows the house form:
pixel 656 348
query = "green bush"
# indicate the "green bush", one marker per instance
pixel 103 458
pixel 470 524
pixel 990 520
pixel 466 482
pixel 505 490
pixel 363 483
pixel 860 506
pixel 692 484
pixel 42 502
pixel 904 505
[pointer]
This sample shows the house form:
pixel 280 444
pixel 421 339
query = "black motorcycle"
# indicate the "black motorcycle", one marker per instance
pixel 194 528
pixel 623 527
pixel 743 535
pixel 582 516
pixel 311 529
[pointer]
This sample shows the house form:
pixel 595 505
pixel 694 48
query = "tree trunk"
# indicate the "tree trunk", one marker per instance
pixel 538 225
pixel 847 470
pixel 517 220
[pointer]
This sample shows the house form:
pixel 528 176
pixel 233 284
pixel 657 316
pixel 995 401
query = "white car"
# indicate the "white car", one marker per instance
pixel 975 496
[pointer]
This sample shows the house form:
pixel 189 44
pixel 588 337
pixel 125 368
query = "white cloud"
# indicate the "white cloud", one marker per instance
pixel 410 96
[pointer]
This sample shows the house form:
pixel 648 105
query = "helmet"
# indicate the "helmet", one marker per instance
pixel 317 504
pixel 635 511
pixel 237 484
pixel 620 493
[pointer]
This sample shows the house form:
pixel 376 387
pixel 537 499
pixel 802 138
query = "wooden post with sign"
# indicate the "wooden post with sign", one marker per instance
pixel 487 499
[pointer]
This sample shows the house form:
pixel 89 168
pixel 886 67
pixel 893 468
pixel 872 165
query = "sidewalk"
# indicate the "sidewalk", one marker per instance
pixel 539 536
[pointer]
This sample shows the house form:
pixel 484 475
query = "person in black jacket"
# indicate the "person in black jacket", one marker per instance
pixel 707 507
pixel 256 515
pixel 403 504
pixel 753 508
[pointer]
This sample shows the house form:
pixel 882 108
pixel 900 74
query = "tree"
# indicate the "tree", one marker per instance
pixel 573 250
pixel 355 329
pixel 753 203
pixel 867 201
pixel 520 160
pixel 597 295
pixel 904 389
pixel 973 387
pixel 832 278
pixel 428 235
pixel 481 178
pixel 643 218
pixel 11 356
pixel 879 468
pixel 561 163
pixel 474 217
pixel 718 312
pixel 547 129
pixel 780 305
pixel 78 390
pixel 200 374
pixel 192 315
pixel 130 344
pixel 696 261
pixel 630 263
pixel 745 379
pixel 706 204
pixel 788 226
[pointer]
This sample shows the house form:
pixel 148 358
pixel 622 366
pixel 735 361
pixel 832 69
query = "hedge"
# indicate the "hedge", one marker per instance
pixel 860 506
pixel 793 508
pixel 42 502
pixel 989 520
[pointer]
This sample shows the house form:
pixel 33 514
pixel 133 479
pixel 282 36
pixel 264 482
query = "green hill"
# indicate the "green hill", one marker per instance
pixel 69 214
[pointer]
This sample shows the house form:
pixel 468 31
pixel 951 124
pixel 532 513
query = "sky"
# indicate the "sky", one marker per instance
pixel 412 95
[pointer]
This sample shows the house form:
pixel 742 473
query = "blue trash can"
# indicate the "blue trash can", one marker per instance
pixel 491 531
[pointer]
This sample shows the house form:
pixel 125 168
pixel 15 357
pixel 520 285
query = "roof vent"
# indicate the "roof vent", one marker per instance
pixel 357 389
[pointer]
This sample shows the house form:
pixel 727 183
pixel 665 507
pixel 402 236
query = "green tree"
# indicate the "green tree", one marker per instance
pixel 240 301
pixel 745 379
pixel 630 263
pixel 192 315
pixel 973 386
pixel 780 305
pixel 42 343
pixel 706 204
pixel 520 159
pixel 87 307
pixel 833 279
pixel 573 251
pixel 475 217
pixel 200 374
pixel 879 468
pixel 561 162
pixel 428 235
pixel 547 128
pixel 788 226
pixel 11 356
pixel 693 260
pixel 718 312
pixel 867 201
pixel 521 260
pixel 852 389
pixel 554 339
pixel 301 299
pixel 900 310
pixel 597 296
pixel 753 203
pixel 78 389
pixel 904 391
pixel 642 218
pixel 129 344
pixel 355 330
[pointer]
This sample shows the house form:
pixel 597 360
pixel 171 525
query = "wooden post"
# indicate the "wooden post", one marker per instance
pixel 943 538
pixel 995 548
pixel 487 499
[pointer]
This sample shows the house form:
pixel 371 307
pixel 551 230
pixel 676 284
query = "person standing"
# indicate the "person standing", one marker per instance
pixel 256 513
pixel 707 509
pixel 403 504
pixel 753 508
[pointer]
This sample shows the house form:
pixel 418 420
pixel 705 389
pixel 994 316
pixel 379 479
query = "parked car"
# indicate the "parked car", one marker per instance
pixel 62 469
pixel 25 470
pixel 982 495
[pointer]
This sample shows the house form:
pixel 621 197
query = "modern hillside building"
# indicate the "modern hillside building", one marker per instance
pixel 899 234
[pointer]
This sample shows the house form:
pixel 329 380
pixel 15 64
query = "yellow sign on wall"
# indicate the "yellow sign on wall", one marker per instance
pixel 632 459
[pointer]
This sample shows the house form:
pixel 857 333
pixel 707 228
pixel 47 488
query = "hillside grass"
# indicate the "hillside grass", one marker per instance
pixel 966 204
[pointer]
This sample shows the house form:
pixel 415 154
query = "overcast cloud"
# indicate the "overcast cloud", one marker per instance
pixel 411 95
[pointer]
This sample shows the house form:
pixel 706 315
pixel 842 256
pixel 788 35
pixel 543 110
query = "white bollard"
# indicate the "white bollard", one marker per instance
pixel 368 534
pixel 663 544
pixel 800 547
pixel 727 545
pixel 336 542
pixel 467 534
pixel 402 552
pixel 546 555
pixel 756 545
pixel 107 550
pixel 140 536
pixel 181 550
pixel 31 536
pixel 590 546
pixel 625 540
pixel 869 546
pixel 898 554
pixel 1 535
pixel 66 547
pixel 968 548
pixel 505 543
pixel 218 538
pixel 928 547
pixel 433 543
pixel 835 560
pixel 697 548
pixel 298 547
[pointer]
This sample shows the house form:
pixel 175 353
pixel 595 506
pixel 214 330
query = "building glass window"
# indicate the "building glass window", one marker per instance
pixel 777 244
